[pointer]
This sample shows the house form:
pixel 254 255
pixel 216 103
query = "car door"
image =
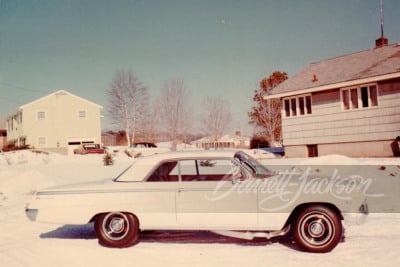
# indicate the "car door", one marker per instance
pixel 156 199
pixel 211 194
pixel 278 195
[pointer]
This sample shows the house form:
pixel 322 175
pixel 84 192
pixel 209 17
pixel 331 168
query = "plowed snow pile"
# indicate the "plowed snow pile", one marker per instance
pixel 24 243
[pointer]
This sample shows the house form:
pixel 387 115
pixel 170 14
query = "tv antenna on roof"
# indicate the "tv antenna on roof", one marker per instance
pixel 381 41
pixel 381 7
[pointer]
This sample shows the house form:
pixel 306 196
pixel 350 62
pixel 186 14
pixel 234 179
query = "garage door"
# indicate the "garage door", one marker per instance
pixel 75 142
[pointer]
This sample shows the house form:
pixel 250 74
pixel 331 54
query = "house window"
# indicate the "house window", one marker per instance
pixel 22 141
pixel 359 97
pixel 18 117
pixel 293 107
pixel 10 124
pixel 42 141
pixel 312 151
pixel 301 105
pixel 41 115
pixel 297 106
pixel 354 98
pixel 82 114
pixel 287 107
pixel 308 104
pixel 373 95
pixel 345 99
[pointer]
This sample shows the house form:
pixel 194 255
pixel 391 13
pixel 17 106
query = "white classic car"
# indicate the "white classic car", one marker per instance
pixel 146 149
pixel 227 192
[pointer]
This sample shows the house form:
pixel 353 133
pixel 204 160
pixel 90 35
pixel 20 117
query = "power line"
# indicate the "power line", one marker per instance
pixel 21 88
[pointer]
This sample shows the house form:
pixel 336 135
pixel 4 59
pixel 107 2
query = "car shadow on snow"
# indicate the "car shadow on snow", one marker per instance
pixel 207 237
pixel 197 237
pixel 70 231
pixel 165 236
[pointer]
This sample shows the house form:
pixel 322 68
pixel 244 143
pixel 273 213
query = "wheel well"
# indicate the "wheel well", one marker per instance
pixel 95 216
pixel 300 207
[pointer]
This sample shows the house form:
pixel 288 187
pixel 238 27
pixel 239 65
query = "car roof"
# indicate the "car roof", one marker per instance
pixel 188 154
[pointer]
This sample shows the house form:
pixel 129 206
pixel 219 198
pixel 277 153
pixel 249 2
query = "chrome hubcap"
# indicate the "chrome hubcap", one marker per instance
pixel 115 226
pixel 317 229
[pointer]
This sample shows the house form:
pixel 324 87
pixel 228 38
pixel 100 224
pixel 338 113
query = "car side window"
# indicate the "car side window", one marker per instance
pixel 187 170
pixel 215 170
pixel 209 170
pixel 198 170
pixel 165 173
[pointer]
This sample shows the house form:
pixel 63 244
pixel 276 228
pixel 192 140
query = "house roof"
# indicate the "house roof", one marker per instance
pixel 362 67
pixel 60 92
pixel 226 138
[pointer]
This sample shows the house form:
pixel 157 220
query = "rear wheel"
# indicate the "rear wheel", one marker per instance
pixel 317 229
pixel 117 229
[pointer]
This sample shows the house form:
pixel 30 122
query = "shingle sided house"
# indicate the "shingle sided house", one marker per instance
pixel 348 105
pixel 57 122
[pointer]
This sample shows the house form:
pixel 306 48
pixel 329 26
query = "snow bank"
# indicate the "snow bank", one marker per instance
pixel 24 182
pixel 23 243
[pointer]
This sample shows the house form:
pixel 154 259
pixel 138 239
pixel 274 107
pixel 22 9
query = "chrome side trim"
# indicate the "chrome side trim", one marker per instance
pixel 83 192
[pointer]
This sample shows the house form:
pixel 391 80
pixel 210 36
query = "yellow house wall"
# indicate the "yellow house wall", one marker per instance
pixel 62 121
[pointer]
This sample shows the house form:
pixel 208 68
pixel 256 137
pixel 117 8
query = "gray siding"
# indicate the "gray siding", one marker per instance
pixel 328 123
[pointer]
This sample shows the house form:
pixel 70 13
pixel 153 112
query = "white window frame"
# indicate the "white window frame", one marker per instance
pixel 79 114
pixel 39 118
pixel 359 97
pixel 10 124
pixel 39 139
pixel 297 101
pixel 19 117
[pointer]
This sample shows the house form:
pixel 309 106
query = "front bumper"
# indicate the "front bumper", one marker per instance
pixel 357 218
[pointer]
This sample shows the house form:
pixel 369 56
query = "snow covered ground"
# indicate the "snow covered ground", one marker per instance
pixel 23 243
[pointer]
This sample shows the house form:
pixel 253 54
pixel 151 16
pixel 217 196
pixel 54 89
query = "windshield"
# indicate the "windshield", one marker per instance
pixel 258 170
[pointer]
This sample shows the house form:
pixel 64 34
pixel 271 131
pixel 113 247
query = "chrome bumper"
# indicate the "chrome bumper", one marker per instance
pixel 357 218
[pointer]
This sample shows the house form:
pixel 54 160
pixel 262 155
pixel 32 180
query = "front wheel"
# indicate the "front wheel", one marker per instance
pixel 117 229
pixel 317 229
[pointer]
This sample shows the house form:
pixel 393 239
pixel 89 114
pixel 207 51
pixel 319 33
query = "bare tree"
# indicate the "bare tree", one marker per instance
pixel 128 103
pixel 266 114
pixel 217 117
pixel 173 106
pixel 148 131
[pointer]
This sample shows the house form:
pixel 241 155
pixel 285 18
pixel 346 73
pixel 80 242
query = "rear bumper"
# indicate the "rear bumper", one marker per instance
pixel 354 218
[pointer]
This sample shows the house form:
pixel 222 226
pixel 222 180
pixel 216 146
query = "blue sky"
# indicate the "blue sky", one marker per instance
pixel 219 48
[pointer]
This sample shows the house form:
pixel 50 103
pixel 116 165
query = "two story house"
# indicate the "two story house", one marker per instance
pixel 57 122
pixel 348 105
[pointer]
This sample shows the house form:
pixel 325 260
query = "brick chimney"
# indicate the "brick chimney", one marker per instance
pixel 381 42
